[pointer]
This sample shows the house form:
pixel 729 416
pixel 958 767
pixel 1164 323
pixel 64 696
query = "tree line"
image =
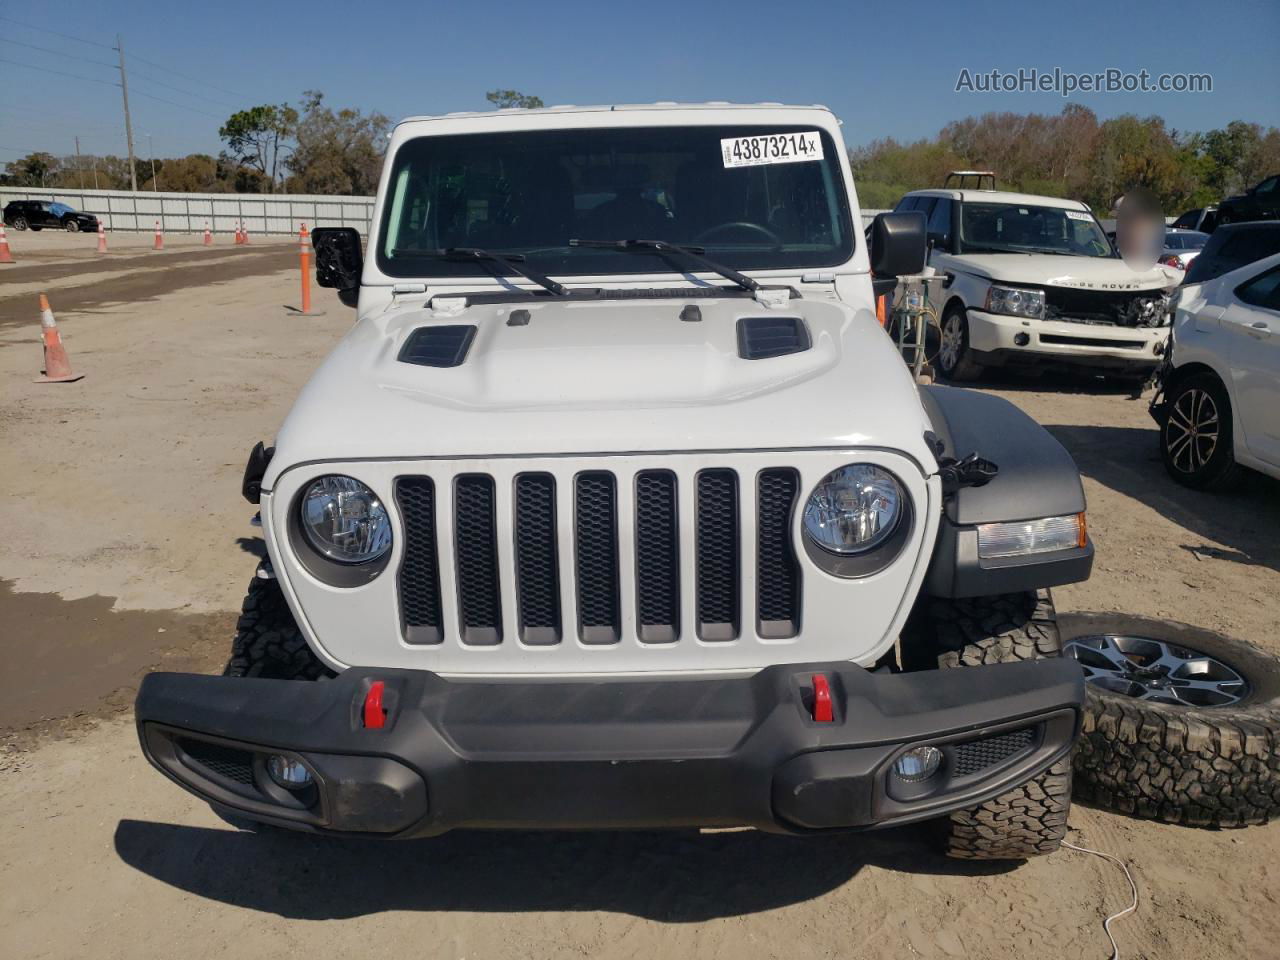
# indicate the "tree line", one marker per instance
pixel 1072 154
pixel 314 148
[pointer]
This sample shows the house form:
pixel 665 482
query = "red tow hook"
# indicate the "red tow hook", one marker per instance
pixel 822 710
pixel 375 718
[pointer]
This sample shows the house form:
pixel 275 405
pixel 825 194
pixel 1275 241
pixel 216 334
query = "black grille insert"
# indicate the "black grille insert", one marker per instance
pixel 596 547
pixel 443 346
pixel 977 755
pixel 657 557
pixel 227 762
pixel 760 338
pixel 537 579
pixel 777 571
pixel 419 578
pixel 476 548
pixel 717 554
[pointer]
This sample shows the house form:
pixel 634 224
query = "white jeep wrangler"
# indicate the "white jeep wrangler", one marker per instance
pixel 617 508
pixel 1034 282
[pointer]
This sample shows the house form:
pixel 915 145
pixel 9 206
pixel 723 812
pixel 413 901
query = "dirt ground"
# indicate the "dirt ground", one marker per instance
pixel 127 548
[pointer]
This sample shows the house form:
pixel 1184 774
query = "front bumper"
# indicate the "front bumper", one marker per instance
pixel 625 753
pixel 1010 339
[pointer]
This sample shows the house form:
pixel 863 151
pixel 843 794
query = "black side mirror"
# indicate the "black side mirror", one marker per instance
pixel 899 244
pixel 339 261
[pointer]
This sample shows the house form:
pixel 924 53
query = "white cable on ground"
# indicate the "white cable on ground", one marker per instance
pixel 1106 926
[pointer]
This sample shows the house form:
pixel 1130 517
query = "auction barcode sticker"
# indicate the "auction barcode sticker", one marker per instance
pixel 771 148
pixel 1077 215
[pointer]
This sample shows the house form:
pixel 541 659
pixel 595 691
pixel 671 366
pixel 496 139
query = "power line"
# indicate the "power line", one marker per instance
pixel 174 103
pixel 60 53
pixel 186 76
pixel 64 36
pixel 170 86
pixel 74 76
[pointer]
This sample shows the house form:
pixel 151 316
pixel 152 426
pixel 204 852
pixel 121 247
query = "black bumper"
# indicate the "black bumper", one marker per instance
pixel 626 753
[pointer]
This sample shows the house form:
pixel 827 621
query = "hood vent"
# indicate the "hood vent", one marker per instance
pixel 760 338
pixel 444 346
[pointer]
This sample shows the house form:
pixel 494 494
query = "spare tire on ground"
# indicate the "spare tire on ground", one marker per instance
pixel 1181 724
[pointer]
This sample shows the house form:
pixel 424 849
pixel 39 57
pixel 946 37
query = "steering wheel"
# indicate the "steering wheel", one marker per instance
pixel 711 232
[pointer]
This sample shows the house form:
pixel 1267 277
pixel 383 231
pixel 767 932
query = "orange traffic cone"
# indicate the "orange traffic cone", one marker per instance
pixel 239 233
pixel 159 245
pixel 57 368
pixel 102 238
pixel 208 237
pixel 244 234
pixel 5 255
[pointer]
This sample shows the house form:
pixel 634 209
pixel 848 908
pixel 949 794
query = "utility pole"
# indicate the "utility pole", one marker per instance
pixel 79 165
pixel 155 187
pixel 128 124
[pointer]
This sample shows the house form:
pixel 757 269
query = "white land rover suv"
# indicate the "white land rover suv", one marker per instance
pixel 1033 281
pixel 617 508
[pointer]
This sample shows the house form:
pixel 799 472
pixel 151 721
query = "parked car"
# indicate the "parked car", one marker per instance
pixel 1181 247
pixel 38 214
pixel 1233 246
pixel 1259 202
pixel 1034 281
pixel 1219 400
pixel 659 559
pixel 1204 219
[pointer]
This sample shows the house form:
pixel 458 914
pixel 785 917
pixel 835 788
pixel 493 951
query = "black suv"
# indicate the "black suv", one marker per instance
pixel 1231 247
pixel 1259 202
pixel 38 214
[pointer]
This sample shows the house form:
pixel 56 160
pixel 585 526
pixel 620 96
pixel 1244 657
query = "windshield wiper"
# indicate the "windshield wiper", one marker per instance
pixel 979 248
pixel 507 261
pixel 661 247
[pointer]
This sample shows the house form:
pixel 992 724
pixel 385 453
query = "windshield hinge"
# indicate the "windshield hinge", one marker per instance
pixel 773 298
pixel 817 278
pixel 408 289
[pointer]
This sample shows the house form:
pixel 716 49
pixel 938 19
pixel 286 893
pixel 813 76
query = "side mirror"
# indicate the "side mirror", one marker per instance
pixel 899 244
pixel 339 261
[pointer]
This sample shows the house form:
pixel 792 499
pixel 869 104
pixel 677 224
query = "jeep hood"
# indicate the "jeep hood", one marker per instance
pixel 605 377
pixel 1086 273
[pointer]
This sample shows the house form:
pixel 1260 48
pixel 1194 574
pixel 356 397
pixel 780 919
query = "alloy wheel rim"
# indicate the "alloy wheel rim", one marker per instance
pixel 1157 671
pixel 1191 433
pixel 949 352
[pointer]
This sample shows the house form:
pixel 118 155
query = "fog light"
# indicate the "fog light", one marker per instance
pixel 918 763
pixel 1021 339
pixel 290 774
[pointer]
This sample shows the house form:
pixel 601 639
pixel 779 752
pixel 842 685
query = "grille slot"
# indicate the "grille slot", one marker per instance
pixel 227 762
pixel 537 566
pixel 419 577
pixel 476 550
pixel 657 557
pixel 596 552
pixel 443 346
pixel 777 571
pixel 716 520
pixel 977 755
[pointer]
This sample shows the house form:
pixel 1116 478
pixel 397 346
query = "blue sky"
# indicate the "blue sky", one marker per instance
pixel 887 69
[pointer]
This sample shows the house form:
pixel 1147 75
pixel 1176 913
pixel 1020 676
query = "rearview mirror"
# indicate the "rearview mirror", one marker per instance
pixel 898 244
pixel 339 261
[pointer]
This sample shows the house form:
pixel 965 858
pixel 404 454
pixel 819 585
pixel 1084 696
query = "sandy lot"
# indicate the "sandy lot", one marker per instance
pixel 127 548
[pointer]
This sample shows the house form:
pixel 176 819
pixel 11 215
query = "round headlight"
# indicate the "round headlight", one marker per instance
pixel 345 521
pixel 853 509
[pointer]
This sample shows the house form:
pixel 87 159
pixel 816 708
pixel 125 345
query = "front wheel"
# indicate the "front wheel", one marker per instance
pixel 268 643
pixel 1196 441
pixel 1030 819
pixel 71 226
pixel 955 357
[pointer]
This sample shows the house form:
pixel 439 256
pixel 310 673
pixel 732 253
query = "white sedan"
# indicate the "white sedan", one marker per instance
pixel 1219 402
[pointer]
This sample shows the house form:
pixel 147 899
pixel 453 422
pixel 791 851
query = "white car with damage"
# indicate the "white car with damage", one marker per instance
pixel 617 508
pixel 1033 282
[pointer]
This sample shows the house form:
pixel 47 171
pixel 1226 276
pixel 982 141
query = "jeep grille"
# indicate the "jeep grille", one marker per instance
pixel 543 543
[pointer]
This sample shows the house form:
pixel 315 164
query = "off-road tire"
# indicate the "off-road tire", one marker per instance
pixel 268 643
pixel 1219 472
pixel 1197 766
pixel 1030 819
pixel 966 368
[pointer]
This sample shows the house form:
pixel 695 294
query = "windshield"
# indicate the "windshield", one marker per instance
pixel 769 197
pixel 1021 228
